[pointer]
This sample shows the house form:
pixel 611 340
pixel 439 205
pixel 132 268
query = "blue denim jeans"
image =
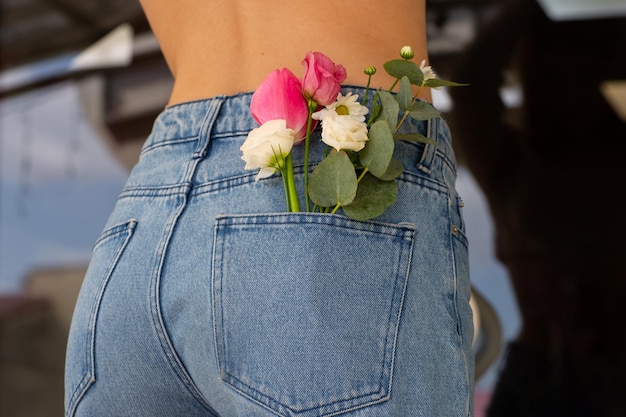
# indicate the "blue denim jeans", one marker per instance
pixel 204 298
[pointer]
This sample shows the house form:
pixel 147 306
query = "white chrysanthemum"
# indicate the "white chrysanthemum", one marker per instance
pixel 344 106
pixel 343 131
pixel 267 146
pixel 427 70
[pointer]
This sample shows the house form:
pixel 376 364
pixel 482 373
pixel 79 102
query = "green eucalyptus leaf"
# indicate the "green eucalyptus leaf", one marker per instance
pixel 394 170
pixel 376 109
pixel 414 137
pixel 423 110
pixel 333 181
pixel 379 149
pixel 405 94
pixel 390 108
pixel 436 82
pixel 373 197
pixel 399 68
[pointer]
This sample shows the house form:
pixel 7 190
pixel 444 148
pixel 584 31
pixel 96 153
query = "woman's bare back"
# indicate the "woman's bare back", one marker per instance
pixel 229 46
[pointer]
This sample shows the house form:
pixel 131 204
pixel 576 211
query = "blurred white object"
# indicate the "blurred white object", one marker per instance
pixel 487 342
pixel 113 50
pixel 583 9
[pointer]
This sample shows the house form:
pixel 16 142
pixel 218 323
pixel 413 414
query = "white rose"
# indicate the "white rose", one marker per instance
pixel 343 132
pixel 267 146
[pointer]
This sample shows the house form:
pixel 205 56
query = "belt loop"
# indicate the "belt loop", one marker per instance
pixel 207 125
pixel 428 155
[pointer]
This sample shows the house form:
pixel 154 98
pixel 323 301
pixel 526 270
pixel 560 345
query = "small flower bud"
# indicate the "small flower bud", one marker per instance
pixel 407 52
pixel 371 70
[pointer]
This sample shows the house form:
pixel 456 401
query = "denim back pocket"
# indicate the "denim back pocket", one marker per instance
pixel 307 308
pixel 80 370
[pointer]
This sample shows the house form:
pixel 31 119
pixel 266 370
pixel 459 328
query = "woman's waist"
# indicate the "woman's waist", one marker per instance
pixel 224 54
pixel 193 84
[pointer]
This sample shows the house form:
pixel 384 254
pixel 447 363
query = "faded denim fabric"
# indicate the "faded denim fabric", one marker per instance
pixel 203 298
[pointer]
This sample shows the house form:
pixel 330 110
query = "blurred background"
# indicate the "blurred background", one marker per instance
pixel 82 81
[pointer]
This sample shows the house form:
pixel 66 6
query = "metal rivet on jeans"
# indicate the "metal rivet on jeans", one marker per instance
pixel 455 230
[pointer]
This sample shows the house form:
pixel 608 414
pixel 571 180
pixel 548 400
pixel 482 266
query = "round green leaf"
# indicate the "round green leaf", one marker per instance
pixel 423 110
pixel 333 181
pixel 394 170
pixel 399 68
pixel 379 149
pixel 373 197
pixel 405 94
pixel 390 109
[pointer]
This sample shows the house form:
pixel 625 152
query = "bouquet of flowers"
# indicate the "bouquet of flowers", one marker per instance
pixel 358 171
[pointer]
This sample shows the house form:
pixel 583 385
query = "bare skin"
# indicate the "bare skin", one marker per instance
pixel 229 46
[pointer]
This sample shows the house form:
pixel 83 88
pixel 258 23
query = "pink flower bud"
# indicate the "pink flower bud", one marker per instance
pixel 280 97
pixel 322 79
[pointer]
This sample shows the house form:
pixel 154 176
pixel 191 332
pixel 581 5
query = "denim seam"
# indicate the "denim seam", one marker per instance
pixel 88 380
pixel 459 322
pixel 204 136
pixel 232 182
pixel 113 230
pixel 236 134
pixel 158 322
pixel 182 192
pixel 168 142
pixel 406 235
pixel 274 403
pixel 214 295
pixel 407 229
pixel 164 191
pixel 446 160
pixel 400 308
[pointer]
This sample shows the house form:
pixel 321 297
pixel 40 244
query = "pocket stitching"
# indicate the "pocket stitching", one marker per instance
pixel 403 231
pixel 89 378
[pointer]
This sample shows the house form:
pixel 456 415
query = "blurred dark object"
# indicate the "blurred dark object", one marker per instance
pixel 34 30
pixel 34 327
pixel 552 174
pixel 39 39
pixel 32 354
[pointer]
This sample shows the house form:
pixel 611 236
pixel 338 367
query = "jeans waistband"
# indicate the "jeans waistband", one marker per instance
pixel 186 131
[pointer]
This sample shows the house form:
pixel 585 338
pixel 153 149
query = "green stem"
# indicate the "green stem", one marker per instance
pixel 358 180
pixel 292 193
pixel 307 140
pixel 367 89
pixel 375 101
pixel 419 89
pixel 338 206
pixel 406 112
pixel 402 119
pixel 414 99
pixel 286 185
pixel 394 84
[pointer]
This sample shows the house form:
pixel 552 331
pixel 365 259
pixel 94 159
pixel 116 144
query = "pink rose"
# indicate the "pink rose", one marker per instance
pixel 280 97
pixel 322 79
